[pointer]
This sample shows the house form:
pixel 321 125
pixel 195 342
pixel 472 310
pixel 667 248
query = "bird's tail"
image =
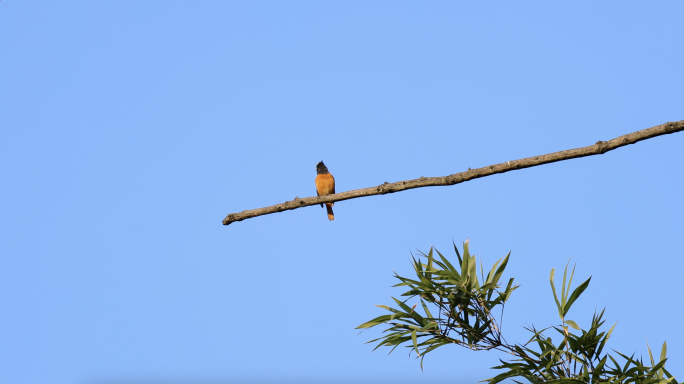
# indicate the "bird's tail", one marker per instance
pixel 331 215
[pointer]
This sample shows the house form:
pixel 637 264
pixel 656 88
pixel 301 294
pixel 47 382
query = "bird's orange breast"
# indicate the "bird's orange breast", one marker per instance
pixel 325 184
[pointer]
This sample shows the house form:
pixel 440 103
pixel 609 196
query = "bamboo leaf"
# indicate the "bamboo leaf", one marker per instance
pixel 573 325
pixel 415 342
pixel 377 321
pixel 563 293
pixel 598 371
pixel 663 356
pixel 650 355
pixel 555 296
pixel 575 295
pixel 411 313
pixel 492 272
pixel 425 308
pixel 457 253
pixel 501 268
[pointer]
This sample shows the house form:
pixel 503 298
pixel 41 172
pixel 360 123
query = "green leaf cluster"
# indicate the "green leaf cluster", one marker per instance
pixel 462 303
pixel 457 306
pixel 577 358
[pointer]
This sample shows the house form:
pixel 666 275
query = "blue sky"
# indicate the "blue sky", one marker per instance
pixel 131 129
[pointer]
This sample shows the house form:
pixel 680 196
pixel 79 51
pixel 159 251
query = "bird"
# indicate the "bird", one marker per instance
pixel 325 185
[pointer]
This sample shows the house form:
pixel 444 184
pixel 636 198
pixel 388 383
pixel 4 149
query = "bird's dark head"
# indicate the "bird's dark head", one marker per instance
pixel 321 168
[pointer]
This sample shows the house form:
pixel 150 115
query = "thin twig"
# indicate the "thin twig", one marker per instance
pixel 597 149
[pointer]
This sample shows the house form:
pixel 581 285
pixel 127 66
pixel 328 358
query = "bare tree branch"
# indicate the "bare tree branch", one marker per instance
pixel 599 148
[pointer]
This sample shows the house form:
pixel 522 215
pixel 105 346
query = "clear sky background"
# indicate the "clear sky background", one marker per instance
pixel 129 130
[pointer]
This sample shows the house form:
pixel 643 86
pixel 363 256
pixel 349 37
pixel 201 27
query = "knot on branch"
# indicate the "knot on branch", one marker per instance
pixel 385 188
pixel 601 146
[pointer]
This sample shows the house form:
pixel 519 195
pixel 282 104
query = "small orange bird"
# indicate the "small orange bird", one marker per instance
pixel 325 185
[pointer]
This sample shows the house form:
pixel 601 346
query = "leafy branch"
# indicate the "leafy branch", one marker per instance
pixel 465 305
